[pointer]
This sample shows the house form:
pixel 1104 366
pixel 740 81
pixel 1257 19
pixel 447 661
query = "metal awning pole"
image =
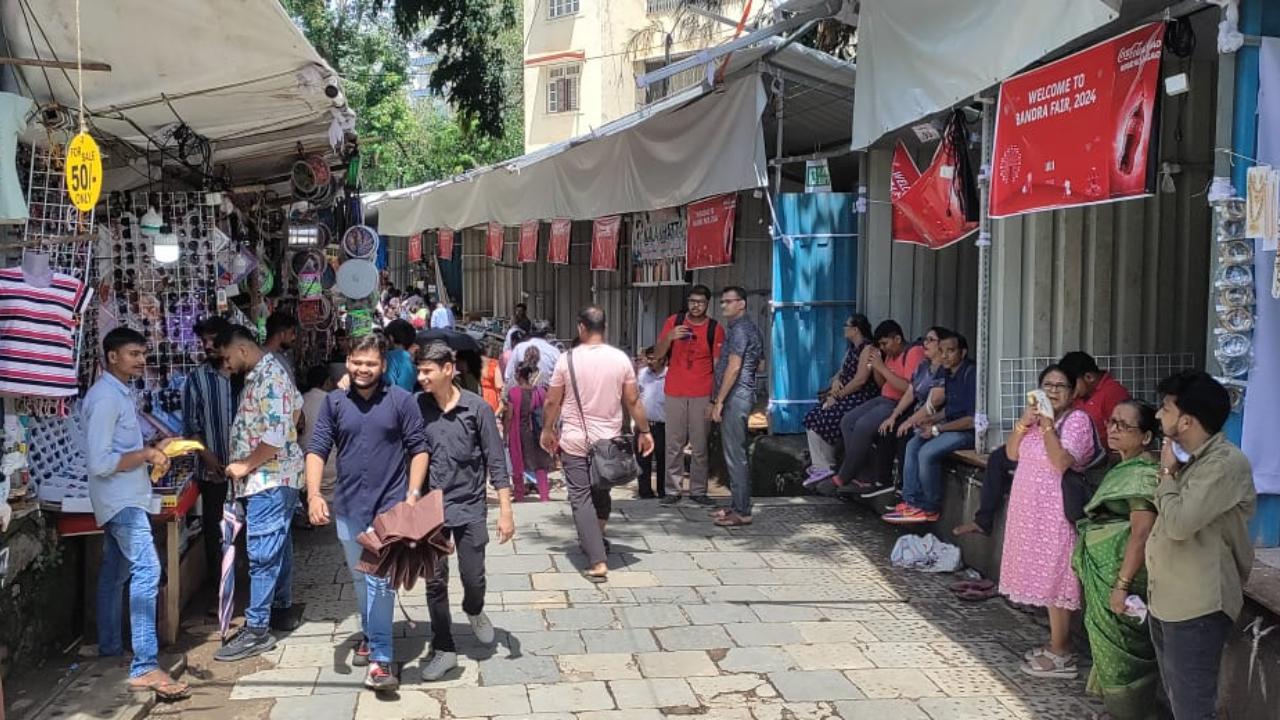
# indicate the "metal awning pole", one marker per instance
pixel 779 98
pixel 982 350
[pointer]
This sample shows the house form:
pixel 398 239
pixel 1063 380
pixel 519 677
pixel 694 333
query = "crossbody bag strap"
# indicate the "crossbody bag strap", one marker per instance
pixel 573 380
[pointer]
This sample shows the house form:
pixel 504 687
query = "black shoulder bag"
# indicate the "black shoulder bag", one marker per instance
pixel 611 462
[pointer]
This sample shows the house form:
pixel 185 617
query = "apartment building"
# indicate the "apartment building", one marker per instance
pixel 582 56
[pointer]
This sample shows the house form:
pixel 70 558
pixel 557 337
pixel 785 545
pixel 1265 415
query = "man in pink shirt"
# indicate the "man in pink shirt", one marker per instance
pixel 590 387
pixel 893 365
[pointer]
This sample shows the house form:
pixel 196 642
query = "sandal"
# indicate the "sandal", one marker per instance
pixel 595 579
pixel 978 594
pixel 732 519
pixel 967 585
pixel 158 681
pixel 720 513
pixel 1052 666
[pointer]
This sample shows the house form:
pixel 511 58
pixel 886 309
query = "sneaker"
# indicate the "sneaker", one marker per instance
pixel 286 619
pixel 910 516
pixel 669 500
pixel 246 644
pixel 817 475
pixel 703 500
pixel 483 628
pixel 380 678
pixel 861 486
pixel 877 491
pixel 360 657
pixel 438 664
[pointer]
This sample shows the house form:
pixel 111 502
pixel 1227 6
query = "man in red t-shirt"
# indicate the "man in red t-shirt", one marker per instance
pixel 1097 393
pixel 693 340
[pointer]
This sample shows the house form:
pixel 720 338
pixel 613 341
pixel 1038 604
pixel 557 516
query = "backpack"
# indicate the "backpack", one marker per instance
pixel 711 334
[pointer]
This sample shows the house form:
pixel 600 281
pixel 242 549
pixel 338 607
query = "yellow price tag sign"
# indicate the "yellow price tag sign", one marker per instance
pixel 84 172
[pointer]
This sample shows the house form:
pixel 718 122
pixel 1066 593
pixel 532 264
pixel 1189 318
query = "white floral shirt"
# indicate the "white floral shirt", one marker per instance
pixel 268 407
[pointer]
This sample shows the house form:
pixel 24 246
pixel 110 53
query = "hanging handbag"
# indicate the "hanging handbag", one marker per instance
pixel 610 462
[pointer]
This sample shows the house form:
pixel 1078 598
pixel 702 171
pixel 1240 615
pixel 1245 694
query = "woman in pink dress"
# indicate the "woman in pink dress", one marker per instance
pixel 1036 566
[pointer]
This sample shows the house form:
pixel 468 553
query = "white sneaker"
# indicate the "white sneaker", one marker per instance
pixel 483 628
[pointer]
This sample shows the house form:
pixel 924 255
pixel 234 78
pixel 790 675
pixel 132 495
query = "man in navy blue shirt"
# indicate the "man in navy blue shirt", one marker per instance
pixel 465 449
pixel 382 460
pixel 950 430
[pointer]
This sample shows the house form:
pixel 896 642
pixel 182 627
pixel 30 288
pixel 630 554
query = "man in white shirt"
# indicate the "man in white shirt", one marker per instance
pixel 548 354
pixel 442 317
pixel 652 378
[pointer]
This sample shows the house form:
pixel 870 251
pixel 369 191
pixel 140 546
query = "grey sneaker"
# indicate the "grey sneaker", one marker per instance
pixel 438 664
pixel 669 500
pixel 703 500
pixel 483 628
pixel 246 644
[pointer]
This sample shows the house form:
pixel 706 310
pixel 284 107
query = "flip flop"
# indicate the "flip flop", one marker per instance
pixel 166 688
pixel 977 595
pixel 595 579
pixel 732 520
pixel 967 585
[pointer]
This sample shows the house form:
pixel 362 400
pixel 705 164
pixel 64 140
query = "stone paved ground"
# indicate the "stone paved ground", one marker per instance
pixel 797 617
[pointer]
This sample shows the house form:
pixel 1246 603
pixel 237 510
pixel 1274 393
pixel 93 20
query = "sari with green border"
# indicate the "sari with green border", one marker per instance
pixel 1124 662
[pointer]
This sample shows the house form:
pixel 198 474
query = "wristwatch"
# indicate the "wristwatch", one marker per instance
pixel 934 429
pixel 416 493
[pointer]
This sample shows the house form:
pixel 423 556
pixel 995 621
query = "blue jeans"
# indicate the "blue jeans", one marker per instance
pixel 733 435
pixel 922 469
pixel 375 598
pixel 270 547
pixel 129 555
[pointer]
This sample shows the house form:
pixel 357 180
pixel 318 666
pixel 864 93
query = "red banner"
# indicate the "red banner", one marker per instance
pixel 709 241
pixel 558 247
pixel 902 175
pixel 528 249
pixel 604 242
pixel 493 242
pixel 445 243
pixel 1078 131
pixel 415 248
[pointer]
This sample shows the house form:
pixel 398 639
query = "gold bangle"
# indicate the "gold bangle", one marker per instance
pixel 1019 427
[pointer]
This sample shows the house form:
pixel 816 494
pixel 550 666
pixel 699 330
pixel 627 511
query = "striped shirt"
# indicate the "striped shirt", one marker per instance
pixel 37 334
pixel 208 409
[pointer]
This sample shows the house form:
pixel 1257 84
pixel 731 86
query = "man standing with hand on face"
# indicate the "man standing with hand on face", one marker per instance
pixel 464 447
pixel 382 460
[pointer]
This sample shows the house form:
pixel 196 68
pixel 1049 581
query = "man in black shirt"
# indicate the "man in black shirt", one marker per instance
pixel 464 446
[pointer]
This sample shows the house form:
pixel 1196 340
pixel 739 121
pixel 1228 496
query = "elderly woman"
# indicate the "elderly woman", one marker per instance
pixel 1036 566
pixel 851 387
pixel 1109 560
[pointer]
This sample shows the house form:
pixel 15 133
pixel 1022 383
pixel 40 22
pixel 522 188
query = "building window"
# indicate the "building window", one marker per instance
pixel 562 88
pixel 658 7
pixel 561 8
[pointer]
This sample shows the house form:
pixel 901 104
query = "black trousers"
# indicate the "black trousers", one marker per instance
pixel 468 543
pixel 995 485
pixel 213 495
pixel 1189 654
pixel 658 458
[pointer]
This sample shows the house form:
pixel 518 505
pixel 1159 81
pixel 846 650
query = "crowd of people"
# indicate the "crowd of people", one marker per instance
pixel 1133 513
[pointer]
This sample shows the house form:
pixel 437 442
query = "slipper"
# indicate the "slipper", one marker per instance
pixel 967 585
pixel 977 595
pixel 732 520
pixel 166 688
pixel 595 579
pixel 720 513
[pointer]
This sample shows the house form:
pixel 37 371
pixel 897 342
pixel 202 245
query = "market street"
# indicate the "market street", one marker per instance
pixel 797 616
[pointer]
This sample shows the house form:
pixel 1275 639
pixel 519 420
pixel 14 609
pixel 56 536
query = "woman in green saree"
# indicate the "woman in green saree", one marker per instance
pixel 1109 562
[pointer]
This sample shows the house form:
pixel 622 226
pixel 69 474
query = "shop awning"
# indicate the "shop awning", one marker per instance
pixel 240 74
pixel 698 143
pixel 919 57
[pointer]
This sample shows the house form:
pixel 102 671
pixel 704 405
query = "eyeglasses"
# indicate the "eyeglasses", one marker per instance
pixel 931 338
pixel 1114 424
pixel 727 301
pixel 1054 387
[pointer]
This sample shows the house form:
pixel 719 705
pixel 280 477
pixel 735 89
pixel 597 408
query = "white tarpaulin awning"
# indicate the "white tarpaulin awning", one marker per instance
pixel 706 147
pixel 918 57
pixel 239 74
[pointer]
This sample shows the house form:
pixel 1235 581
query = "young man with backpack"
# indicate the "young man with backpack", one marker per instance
pixel 691 340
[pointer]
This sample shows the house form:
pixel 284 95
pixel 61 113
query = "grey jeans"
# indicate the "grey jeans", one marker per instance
pixel 590 505
pixel 733 434
pixel 1189 654
pixel 687 424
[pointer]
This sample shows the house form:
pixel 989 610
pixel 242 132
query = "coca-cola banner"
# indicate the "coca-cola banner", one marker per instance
pixel 415 248
pixel 1078 131
pixel 902 175
pixel 604 242
pixel 558 247
pixel 444 242
pixel 710 232
pixel 493 242
pixel 528 249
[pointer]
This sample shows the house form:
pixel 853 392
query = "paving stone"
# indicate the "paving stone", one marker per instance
pixel 315 706
pixel 630 579
pixel 503 583
pixel 685 578
pixel 280 683
pixel 633 714
pixel 904 655
pixel 537 716
pixel 756 660
pixel 776 613
pixel 678 664
pixel 880 709
pixel 533 597
pixel 972 682
pixel 630 640
pixel 566 697
pixel 546 642
pixel 906 631
pixel 517 564
pixel 759 633
pixel 663 693
pixel 726 713
pixel 560 581
pixel 306 655
pixel 517 621
pixel 828 656
pixel 827 632
pixel 467 674
pixel 658 560
pixel 976 708
pixel 602 595
pixel 404 705
pixel 340 680
pixel 679 543
pixel 730 594
pixel 967 654
pixel 1054 708
pixel 694 637
pixel 892 684
pixel 731 690
pixel 523 670
pixel 598 666
pixel 719 560
pixel 590 618
pixel 719 613
pixel 652 616
pixel 486 701
pixel 814 685
pixel 779 710
pixel 665 596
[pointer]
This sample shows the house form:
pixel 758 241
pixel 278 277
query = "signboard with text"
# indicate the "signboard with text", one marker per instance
pixel 558 247
pixel 528 248
pixel 711 232
pixel 1079 131
pixel 493 241
pixel 604 242
pixel 658 234
pixel 444 242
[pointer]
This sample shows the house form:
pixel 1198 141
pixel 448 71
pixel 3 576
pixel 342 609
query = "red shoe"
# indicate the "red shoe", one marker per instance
pixel 910 516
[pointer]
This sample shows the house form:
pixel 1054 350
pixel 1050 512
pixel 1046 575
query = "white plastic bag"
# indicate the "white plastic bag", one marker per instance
pixel 926 553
